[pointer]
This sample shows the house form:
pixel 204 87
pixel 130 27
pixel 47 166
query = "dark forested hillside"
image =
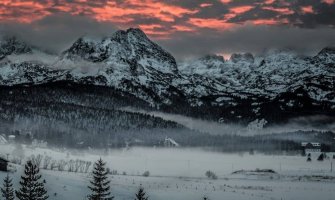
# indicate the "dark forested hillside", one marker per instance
pixel 71 115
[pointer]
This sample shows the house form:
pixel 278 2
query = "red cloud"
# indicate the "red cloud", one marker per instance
pixel 164 17
pixel 269 1
pixel 226 1
pixel 241 9
pixel 204 5
pixel 307 9
pixel 150 8
pixel 283 11
pixel 328 1
pixel 269 21
pixel 210 23
pixel 29 10
pixel 155 31
pixel 183 28
pixel 22 11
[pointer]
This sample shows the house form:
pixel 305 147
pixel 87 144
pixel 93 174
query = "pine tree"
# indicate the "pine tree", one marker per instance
pixel 100 184
pixel 31 186
pixel 7 190
pixel 321 157
pixel 141 195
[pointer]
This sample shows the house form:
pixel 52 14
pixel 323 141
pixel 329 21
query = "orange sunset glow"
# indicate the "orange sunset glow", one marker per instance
pixel 219 26
pixel 161 18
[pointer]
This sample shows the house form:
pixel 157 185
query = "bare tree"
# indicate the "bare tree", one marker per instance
pixel 82 166
pixel 47 161
pixel 61 165
pixel 77 165
pixel 17 160
pixel 36 160
pixel 87 166
pixel 71 167
pixel 54 165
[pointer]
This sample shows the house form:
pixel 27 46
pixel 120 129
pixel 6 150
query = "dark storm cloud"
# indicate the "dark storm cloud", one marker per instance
pixel 291 12
pixel 57 32
pixel 143 19
pixel 323 14
pixel 254 14
pixel 251 39
pixel 216 10
pixel 206 8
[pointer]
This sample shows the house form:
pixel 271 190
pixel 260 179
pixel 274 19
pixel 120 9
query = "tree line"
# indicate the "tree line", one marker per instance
pixel 32 186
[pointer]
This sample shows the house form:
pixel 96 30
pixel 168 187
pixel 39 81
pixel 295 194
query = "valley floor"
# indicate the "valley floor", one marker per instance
pixel 178 174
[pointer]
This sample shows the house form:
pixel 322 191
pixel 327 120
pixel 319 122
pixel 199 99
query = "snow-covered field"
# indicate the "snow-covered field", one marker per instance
pixel 180 174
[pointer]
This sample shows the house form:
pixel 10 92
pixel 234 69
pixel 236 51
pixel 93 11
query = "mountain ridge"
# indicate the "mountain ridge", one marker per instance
pixel 236 89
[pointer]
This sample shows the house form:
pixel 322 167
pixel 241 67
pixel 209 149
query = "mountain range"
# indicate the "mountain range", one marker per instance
pixel 128 69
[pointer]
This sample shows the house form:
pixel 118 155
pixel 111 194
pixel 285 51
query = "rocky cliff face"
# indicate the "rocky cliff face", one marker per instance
pixel 11 45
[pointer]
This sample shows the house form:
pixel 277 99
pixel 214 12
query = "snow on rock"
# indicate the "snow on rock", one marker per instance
pixel 257 125
pixel 275 72
pixel 326 57
pixel 11 45
pixel 131 47
pixel 130 62
pixel 26 73
pixel 210 65
pixel 244 57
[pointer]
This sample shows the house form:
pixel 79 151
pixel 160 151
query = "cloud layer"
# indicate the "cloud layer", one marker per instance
pixel 185 27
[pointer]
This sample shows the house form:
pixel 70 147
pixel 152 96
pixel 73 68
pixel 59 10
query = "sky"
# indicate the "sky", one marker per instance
pixel 186 28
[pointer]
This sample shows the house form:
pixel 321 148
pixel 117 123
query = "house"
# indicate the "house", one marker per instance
pixel 3 139
pixel 11 138
pixel 39 143
pixel 311 147
pixel 3 164
pixel 169 142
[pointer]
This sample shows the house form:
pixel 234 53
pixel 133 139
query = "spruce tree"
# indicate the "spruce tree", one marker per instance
pixel 100 184
pixel 141 195
pixel 31 186
pixel 7 189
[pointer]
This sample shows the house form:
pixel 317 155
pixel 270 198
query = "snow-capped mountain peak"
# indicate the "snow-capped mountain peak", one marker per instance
pixel 242 57
pixel 210 58
pixel 131 47
pixel 326 57
pixel 135 33
pixel 11 45
pixel 130 62
pixel 208 64
pixel 330 51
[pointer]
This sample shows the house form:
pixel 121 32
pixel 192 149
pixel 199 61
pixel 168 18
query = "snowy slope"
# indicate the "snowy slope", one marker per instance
pixel 127 60
pixel 271 74
pixel 11 45
pixel 210 65
pixel 23 64
pixel 180 174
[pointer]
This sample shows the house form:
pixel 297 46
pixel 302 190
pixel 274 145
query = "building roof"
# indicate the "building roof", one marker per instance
pixel 3 160
pixel 172 141
pixel 314 144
